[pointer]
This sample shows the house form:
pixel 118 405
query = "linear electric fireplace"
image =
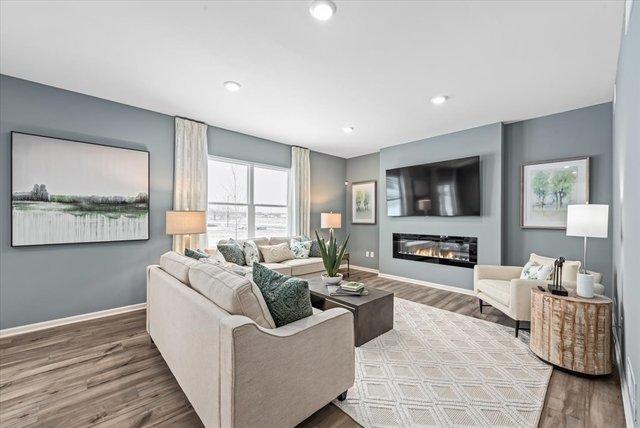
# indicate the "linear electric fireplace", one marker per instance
pixel 445 250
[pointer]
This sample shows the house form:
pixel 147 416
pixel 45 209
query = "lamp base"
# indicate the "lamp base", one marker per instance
pixel 584 286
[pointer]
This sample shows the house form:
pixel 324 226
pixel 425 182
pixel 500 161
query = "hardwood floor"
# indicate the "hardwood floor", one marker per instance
pixel 104 372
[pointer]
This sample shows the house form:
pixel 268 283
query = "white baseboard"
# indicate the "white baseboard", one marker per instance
pixel 364 269
pixel 29 328
pixel 428 284
pixel 624 388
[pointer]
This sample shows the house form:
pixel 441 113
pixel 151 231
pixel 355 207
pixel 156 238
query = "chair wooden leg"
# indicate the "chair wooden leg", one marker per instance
pixel 517 327
pixel 480 301
pixel 342 396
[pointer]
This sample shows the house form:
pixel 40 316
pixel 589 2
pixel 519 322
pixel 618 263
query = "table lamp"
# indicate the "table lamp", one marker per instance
pixel 587 221
pixel 330 221
pixel 186 223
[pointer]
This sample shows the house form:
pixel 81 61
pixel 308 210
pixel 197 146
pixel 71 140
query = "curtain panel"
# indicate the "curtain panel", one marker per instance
pixel 190 175
pixel 299 192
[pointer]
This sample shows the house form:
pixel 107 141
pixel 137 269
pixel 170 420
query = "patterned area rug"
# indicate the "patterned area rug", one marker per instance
pixel 439 368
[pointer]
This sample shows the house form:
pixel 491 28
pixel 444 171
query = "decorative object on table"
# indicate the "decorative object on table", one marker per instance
pixel 287 298
pixel 66 192
pixel 557 288
pixel 587 221
pixel 332 254
pixel 572 332
pixel 350 288
pixel 186 223
pixel 547 188
pixel 364 202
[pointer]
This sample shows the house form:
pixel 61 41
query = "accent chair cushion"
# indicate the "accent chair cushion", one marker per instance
pixel 570 268
pixel 535 271
pixel 287 298
pixel 495 288
pixel 177 265
pixel 276 253
pixel 232 292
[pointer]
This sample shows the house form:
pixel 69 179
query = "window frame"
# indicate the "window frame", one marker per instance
pixel 250 204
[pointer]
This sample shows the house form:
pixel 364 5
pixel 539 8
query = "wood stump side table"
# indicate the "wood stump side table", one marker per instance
pixel 572 332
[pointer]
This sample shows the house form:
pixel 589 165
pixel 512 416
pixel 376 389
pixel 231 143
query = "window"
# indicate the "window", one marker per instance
pixel 246 200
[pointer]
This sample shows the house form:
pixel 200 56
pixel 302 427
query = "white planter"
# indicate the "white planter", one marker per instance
pixel 331 280
pixel 584 286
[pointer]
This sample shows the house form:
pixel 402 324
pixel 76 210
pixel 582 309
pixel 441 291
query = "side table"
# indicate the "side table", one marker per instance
pixel 572 332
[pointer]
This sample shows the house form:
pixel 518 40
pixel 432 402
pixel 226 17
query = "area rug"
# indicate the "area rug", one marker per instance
pixel 439 368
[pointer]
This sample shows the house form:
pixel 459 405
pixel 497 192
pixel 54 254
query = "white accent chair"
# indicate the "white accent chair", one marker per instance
pixel 502 288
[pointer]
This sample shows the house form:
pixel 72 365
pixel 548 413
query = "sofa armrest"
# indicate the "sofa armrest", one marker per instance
pixel 279 377
pixel 520 297
pixel 504 273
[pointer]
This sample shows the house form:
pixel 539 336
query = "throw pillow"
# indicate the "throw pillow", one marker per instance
pixel 276 253
pixel 300 249
pixel 251 253
pixel 233 253
pixel 315 249
pixel 535 271
pixel 287 298
pixel 195 254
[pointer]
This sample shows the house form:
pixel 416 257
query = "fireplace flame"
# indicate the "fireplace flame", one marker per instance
pixel 435 252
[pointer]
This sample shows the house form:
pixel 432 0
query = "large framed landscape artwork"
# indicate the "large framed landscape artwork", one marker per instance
pixel 66 192
pixel 548 187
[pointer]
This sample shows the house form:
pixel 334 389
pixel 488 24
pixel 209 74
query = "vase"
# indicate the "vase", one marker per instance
pixel 331 280
pixel 584 286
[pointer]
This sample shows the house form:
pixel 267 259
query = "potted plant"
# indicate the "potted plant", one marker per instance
pixel 331 254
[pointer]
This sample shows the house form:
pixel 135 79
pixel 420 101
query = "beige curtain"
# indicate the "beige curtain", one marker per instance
pixel 190 175
pixel 299 192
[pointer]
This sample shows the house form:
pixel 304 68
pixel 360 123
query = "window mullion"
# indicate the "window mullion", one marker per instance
pixel 251 214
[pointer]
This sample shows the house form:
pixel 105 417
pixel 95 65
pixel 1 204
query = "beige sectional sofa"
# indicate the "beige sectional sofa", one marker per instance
pixel 288 267
pixel 217 336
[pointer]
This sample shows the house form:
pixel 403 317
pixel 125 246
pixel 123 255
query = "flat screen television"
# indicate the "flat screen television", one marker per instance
pixel 445 189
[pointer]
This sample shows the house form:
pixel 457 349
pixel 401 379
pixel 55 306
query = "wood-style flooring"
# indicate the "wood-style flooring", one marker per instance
pixel 104 372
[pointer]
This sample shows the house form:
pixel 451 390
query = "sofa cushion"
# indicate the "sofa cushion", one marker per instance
pixel 232 252
pixel 233 293
pixel 304 266
pixel 276 253
pixel 177 265
pixel 496 288
pixel 569 268
pixel 287 298
pixel 275 240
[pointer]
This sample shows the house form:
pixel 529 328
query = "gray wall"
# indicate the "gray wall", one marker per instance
pixel 328 174
pixel 581 132
pixel 363 237
pixel 43 283
pixel 49 282
pixel 626 201
pixel 485 141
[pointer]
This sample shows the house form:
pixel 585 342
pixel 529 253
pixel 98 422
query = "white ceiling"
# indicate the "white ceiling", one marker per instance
pixel 373 66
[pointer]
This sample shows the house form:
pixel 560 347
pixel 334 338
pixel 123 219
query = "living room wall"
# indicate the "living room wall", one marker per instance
pixel 626 206
pixel 50 282
pixel 484 141
pixel 581 132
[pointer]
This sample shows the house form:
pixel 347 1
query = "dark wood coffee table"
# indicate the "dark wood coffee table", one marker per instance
pixel 372 314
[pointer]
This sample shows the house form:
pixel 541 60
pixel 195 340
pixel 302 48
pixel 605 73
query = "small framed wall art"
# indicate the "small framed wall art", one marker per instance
pixel 364 202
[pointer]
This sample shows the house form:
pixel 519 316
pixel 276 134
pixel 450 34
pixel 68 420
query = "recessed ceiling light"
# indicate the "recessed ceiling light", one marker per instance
pixel 348 129
pixel 439 99
pixel 232 86
pixel 322 10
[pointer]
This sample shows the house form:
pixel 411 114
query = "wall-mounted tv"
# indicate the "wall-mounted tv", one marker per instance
pixel 445 189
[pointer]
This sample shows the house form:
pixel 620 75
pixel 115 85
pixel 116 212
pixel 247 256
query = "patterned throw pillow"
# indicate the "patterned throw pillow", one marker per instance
pixel 300 249
pixel 535 271
pixel 315 249
pixel 251 253
pixel 195 254
pixel 232 252
pixel 287 298
pixel 276 253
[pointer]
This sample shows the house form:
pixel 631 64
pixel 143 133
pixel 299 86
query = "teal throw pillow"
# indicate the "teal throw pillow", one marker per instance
pixel 195 254
pixel 287 298
pixel 315 249
pixel 233 253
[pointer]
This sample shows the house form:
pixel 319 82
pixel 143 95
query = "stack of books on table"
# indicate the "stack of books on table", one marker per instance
pixel 350 288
